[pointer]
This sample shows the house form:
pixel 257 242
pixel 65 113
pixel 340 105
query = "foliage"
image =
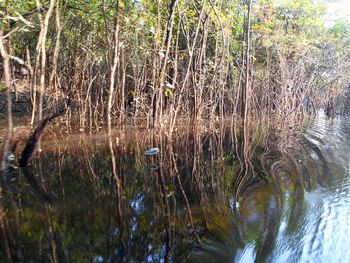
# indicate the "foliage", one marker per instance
pixel 205 61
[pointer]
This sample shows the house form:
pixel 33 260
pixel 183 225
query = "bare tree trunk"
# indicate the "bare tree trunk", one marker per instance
pixel 44 24
pixel 169 33
pixel 57 47
pixel 106 32
pixel 41 53
pixel 114 66
pixel 6 67
pixel 246 82
pixel 188 70
pixel 122 100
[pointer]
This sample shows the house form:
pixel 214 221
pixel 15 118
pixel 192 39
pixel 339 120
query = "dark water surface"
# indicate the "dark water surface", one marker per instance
pixel 210 197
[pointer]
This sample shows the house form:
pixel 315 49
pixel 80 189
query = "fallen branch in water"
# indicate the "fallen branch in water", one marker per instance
pixel 34 138
pixel 37 184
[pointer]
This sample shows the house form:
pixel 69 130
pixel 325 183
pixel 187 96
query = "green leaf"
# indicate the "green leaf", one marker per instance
pixel 170 93
pixel 4 89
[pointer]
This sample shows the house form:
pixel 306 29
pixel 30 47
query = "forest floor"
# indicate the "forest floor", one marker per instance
pixel 21 101
pixel 21 105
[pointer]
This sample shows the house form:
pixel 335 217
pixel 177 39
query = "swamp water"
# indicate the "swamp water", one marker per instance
pixel 101 199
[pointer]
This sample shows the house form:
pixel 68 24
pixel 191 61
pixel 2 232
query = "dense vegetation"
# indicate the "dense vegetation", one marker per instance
pixel 165 61
pixel 165 64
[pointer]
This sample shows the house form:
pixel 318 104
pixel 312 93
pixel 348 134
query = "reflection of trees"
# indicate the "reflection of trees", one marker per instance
pixel 8 239
pixel 101 198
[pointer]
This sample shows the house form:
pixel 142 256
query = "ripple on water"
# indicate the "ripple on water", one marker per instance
pixel 326 236
pixel 321 230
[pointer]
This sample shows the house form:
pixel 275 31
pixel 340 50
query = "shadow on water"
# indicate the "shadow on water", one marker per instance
pixel 212 197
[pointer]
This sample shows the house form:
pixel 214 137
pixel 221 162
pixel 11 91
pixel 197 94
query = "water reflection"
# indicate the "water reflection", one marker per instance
pixel 266 196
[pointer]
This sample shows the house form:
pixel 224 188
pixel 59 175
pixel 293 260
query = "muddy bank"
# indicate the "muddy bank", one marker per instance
pixel 21 104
